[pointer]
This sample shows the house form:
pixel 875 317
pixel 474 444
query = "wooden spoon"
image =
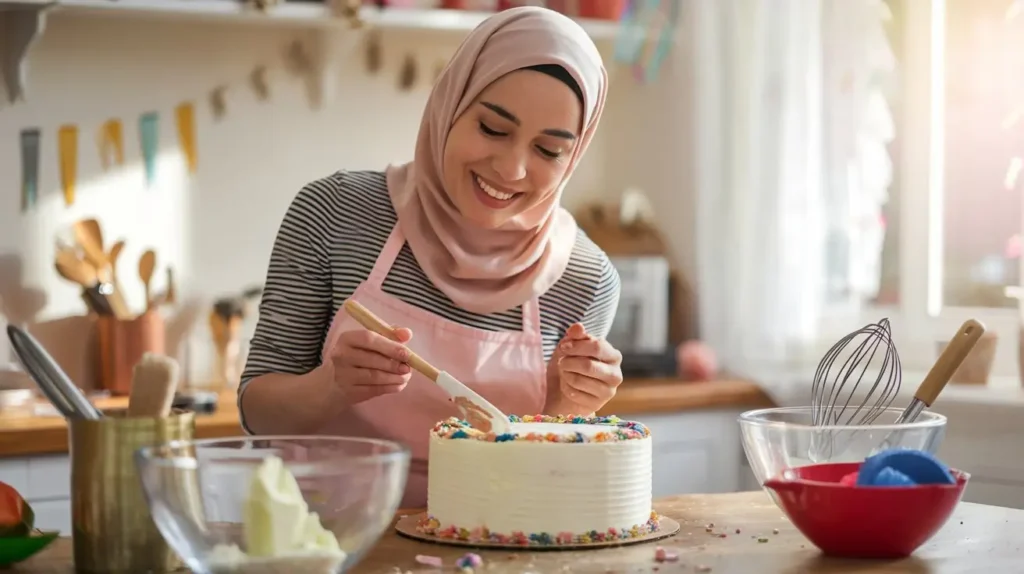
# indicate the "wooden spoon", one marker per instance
pixel 90 238
pixel 147 264
pixel 70 267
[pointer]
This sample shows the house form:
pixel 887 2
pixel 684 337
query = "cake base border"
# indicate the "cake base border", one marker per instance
pixel 406 527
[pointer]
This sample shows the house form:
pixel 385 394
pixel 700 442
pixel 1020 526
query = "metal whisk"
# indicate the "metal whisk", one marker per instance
pixel 835 399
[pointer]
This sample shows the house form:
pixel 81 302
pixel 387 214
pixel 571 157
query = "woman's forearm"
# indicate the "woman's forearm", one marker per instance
pixel 277 403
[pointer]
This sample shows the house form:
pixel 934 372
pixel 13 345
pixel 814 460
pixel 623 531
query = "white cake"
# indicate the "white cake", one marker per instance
pixel 552 480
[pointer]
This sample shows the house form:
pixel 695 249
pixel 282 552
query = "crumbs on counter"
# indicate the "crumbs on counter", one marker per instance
pixel 662 555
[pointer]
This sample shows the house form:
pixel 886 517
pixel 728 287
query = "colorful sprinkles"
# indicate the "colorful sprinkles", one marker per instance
pixel 618 430
pixel 431 527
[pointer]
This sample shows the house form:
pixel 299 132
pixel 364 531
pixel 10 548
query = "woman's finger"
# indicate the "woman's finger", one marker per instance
pixel 364 359
pixel 585 390
pixel 370 341
pixel 598 349
pixel 587 367
pixel 378 378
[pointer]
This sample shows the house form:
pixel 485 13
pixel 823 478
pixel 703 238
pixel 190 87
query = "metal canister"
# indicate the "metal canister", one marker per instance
pixel 112 528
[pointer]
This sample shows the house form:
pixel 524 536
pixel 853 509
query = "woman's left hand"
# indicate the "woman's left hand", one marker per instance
pixel 583 373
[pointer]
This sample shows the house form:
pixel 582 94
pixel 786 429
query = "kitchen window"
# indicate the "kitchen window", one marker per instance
pixel 953 223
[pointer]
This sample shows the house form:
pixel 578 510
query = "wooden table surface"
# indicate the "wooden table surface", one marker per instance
pixel 978 538
pixel 29 436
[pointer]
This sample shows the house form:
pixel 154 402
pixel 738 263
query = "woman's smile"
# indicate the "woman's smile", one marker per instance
pixel 492 195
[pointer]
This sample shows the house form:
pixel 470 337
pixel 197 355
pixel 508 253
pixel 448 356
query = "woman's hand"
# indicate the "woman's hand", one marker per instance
pixel 583 374
pixel 364 365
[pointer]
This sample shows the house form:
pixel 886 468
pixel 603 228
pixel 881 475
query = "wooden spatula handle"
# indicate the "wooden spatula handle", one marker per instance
pixel 367 319
pixel 949 361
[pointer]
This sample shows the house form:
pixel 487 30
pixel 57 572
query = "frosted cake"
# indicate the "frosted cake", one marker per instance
pixel 551 481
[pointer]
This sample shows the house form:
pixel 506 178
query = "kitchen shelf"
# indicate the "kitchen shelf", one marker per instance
pixel 22 22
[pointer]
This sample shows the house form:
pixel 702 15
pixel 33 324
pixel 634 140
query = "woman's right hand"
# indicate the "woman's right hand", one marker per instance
pixel 364 365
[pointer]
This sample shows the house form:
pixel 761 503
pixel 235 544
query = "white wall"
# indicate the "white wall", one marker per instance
pixel 216 228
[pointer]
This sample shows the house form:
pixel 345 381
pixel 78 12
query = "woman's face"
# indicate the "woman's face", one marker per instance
pixel 509 150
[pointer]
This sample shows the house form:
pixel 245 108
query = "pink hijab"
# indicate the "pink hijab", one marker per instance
pixel 493 270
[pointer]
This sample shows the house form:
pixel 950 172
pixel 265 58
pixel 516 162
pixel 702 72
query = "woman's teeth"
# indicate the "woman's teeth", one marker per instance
pixel 493 192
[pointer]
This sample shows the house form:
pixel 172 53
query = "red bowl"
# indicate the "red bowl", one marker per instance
pixel 863 522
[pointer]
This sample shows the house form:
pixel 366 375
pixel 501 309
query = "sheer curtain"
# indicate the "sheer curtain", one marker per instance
pixel 783 190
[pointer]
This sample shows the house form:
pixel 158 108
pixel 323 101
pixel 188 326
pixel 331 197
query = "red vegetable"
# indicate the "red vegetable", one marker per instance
pixel 16 516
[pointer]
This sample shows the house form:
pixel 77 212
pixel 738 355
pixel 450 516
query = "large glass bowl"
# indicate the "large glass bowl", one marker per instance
pixel 197 491
pixel 781 438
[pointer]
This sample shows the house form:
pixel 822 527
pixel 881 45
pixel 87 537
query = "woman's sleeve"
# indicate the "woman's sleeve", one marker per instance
pixel 599 316
pixel 295 310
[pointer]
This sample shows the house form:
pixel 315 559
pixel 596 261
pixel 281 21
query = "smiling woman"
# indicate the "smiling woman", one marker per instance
pixel 510 148
pixel 466 247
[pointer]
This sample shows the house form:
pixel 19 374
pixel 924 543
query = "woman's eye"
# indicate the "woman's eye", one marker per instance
pixel 488 131
pixel 548 153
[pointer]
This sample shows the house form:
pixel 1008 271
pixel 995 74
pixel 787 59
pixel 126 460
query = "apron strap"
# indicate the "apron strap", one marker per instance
pixel 531 317
pixel 392 247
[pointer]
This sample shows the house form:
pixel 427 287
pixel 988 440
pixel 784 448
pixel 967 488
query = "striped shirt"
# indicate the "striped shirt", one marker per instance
pixel 327 245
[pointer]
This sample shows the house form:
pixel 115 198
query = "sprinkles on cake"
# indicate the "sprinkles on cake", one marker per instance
pixel 618 430
pixel 431 527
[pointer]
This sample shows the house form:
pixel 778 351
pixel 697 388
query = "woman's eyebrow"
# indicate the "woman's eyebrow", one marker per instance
pixel 554 132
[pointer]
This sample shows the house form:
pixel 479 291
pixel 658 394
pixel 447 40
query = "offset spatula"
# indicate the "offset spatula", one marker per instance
pixel 481 414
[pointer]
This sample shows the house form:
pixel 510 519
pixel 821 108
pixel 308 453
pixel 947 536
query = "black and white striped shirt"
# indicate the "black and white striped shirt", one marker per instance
pixel 327 245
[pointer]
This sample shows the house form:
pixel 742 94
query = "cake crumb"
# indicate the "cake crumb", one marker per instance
pixel 662 555
pixel 425 560
pixel 703 568
pixel 775 530
pixel 737 531
pixel 762 540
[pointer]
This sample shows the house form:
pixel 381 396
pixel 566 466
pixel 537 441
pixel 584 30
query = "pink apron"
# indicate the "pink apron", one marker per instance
pixel 505 367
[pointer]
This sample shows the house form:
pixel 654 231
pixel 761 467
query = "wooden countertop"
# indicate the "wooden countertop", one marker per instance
pixel 977 538
pixel 28 436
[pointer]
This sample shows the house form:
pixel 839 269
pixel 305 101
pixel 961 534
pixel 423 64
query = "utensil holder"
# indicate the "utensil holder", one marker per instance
pixel 121 343
pixel 113 530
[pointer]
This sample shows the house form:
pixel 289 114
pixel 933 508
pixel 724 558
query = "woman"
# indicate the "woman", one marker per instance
pixel 466 247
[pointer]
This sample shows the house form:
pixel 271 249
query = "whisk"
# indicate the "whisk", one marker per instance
pixel 837 396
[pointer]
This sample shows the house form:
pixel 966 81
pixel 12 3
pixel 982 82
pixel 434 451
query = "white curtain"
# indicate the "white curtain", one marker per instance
pixel 792 170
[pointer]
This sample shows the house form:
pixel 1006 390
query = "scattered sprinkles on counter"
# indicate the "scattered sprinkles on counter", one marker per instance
pixel 431 527
pixel 425 560
pixel 618 430
pixel 469 561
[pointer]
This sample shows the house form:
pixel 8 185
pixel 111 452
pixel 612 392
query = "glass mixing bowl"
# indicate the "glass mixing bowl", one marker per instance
pixel 197 491
pixel 781 438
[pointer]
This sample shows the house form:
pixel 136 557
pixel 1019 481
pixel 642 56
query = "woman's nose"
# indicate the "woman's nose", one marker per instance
pixel 511 165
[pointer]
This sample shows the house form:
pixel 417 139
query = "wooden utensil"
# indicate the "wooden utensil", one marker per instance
pixel 147 265
pixel 948 362
pixel 72 268
pixel 154 382
pixel 89 237
pixel 170 294
pixel 942 371
pixel 480 413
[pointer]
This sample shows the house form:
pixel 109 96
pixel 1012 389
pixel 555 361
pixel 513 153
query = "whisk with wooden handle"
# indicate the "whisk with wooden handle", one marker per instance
pixel 855 382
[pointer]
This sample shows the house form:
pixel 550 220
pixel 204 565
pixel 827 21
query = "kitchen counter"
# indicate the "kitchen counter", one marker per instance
pixel 976 539
pixel 28 436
